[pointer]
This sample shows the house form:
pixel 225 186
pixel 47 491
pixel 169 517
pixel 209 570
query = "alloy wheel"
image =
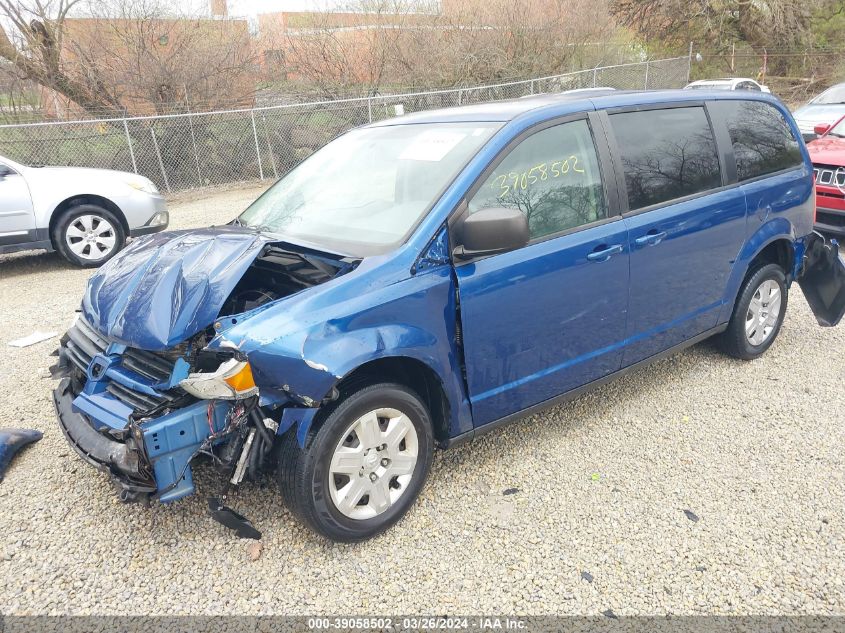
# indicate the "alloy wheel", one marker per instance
pixel 91 237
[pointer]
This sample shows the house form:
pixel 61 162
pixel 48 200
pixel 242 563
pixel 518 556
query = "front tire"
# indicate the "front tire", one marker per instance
pixel 88 235
pixel 363 467
pixel 758 314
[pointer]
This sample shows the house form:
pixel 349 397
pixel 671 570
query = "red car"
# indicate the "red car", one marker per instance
pixel 828 155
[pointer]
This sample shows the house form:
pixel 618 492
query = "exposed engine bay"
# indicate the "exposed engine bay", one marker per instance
pixel 278 273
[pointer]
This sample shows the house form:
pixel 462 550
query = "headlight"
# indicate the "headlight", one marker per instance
pixel 232 381
pixel 143 184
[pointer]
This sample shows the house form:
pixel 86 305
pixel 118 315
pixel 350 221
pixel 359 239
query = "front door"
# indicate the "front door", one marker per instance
pixel 686 229
pixel 549 317
pixel 17 220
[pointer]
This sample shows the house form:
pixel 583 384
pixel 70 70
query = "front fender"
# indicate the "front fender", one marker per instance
pixel 299 350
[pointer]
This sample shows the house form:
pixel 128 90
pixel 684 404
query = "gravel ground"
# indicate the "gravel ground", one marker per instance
pixel 699 485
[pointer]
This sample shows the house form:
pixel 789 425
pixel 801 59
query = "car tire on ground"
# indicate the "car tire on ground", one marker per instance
pixel 758 313
pixel 363 467
pixel 88 235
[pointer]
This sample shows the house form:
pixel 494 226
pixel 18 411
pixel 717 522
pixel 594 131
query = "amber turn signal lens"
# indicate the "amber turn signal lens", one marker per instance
pixel 242 381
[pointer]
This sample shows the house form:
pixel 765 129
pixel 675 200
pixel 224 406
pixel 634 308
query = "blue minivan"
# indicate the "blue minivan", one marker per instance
pixel 421 280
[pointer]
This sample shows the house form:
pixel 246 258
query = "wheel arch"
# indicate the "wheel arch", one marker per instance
pixel 774 242
pixel 88 198
pixel 407 371
pixel 780 251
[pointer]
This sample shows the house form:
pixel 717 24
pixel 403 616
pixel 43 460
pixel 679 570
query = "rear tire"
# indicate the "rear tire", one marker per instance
pixel 758 313
pixel 363 467
pixel 88 235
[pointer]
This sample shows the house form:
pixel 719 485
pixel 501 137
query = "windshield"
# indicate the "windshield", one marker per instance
pixel 364 192
pixel 836 94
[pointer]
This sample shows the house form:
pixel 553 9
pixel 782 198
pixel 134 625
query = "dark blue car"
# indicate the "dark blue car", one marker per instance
pixel 424 279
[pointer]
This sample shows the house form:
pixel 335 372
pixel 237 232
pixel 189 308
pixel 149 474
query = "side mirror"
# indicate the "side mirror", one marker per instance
pixel 491 231
pixel 821 128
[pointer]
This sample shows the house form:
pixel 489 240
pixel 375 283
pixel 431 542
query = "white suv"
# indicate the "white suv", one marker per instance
pixel 84 214
pixel 735 83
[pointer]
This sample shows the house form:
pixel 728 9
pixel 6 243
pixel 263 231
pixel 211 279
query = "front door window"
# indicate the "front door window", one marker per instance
pixel 552 177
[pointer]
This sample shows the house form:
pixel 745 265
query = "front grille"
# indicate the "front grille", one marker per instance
pixel 147 364
pixel 83 343
pixel 135 399
pixel 829 175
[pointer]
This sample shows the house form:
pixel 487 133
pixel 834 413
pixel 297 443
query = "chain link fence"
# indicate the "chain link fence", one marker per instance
pixel 185 151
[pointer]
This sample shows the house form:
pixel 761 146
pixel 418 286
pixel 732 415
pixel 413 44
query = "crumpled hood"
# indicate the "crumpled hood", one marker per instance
pixel 168 286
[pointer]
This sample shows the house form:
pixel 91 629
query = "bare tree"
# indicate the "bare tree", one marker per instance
pixel 343 51
pixel 771 25
pixel 18 95
pixel 113 56
pixel 172 61
pixel 481 41
pixel 378 43
pixel 31 38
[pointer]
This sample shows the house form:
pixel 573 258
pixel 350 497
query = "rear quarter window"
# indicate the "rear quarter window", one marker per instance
pixel 762 140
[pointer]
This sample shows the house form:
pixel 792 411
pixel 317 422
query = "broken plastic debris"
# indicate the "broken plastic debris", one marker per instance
pixel 32 339
pixel 692 516
pixel 13 440
pixel 232 520
pixel 595 476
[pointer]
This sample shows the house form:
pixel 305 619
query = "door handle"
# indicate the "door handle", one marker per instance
pixel 650 239
pixel 604 253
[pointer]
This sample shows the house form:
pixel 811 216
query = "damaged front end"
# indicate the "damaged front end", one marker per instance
pixel 123 411
pixel 142 394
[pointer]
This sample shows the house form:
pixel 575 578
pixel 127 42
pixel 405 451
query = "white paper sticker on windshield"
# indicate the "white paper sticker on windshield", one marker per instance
pixel 432 145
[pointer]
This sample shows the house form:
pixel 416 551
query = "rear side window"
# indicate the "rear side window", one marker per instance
pixel 762 139
pixel 666 154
